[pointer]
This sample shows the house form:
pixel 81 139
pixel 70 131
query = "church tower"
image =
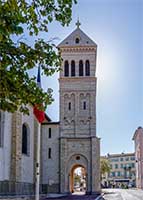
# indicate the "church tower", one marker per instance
pixel 79 145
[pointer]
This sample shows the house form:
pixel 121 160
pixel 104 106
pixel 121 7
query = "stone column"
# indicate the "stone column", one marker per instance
pixel 63 153
pixel 16 147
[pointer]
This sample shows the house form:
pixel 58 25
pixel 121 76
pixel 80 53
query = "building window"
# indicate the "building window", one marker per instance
pixel 87 68
pixel 69 106
pixel 127 159
pixel 119 174
pixel 84 105
pixel 132 158
pixel 116 166
pixel 121 159
pixel 66 68
pixel 114 160
pixel 133 165
pixel 49 153
pixel 72 68
pixel 113 174
pixel 122 165
pixel 49 132
pixel 77 40
pixel 80 68
pixel 25 139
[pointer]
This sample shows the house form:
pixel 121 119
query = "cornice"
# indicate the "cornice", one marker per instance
pixel 50 123
pixel 83 78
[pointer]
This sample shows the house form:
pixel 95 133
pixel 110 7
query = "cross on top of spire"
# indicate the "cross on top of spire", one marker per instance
pixel 78 23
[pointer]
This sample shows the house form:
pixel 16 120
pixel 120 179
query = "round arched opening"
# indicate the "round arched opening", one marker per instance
pixel 78 179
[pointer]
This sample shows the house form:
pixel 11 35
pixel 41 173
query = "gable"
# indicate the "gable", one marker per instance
pixel 77 38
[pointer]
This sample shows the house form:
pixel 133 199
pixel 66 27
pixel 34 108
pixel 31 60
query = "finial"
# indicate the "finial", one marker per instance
pixel 78 23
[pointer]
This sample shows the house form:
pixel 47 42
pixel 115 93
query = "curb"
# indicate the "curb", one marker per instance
pixel 100 196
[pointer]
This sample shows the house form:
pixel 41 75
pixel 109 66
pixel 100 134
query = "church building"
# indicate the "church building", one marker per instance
pixel 65 145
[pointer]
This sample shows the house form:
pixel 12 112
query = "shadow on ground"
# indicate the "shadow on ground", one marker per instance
pixel 74 197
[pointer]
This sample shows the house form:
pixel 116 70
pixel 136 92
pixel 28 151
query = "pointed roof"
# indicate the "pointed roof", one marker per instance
pixel 77 38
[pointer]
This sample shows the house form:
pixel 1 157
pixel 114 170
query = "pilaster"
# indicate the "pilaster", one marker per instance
pixel 16 147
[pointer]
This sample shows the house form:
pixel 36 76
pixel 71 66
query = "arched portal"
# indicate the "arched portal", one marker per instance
pixel 74 162
pixel 78 179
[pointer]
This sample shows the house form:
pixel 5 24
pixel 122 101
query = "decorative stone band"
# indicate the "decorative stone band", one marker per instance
pixel 78 49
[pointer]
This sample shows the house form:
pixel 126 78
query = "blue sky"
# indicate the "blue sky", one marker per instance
pixel 117 28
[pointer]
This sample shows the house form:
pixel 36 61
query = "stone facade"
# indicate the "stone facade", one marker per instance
pixel 138 139
pixel 79 145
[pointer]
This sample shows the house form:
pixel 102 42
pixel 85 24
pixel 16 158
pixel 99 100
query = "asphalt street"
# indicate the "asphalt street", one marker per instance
pixel 123 194
pixel 109 194
pixel 74 197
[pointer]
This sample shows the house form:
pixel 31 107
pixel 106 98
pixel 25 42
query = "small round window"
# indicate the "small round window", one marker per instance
pixel 77 40
pixel 77 157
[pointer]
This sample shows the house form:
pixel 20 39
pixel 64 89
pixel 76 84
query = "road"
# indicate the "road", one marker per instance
pixel 109 194
pixel 123 194
pixel 75 196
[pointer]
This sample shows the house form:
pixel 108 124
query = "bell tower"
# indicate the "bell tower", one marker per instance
pixel 78 111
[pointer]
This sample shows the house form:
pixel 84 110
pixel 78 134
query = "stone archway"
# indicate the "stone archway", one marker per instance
pixel 82 177
pixel 75 161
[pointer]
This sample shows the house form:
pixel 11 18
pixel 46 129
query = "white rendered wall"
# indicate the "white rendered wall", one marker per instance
pixel 28 160
pixel 50 167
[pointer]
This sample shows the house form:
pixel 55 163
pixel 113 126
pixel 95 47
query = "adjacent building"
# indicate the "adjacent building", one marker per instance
pixel 138 139
pixel 122 172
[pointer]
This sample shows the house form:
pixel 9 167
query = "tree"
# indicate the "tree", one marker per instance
pixel 77 179
pixel 17 57
pixel 104 167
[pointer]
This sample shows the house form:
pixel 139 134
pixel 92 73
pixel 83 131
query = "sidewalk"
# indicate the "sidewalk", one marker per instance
pixel 54 195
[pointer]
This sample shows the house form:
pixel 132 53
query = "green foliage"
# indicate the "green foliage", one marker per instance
pixel 17 89
pixel 104 166
pixel 77 179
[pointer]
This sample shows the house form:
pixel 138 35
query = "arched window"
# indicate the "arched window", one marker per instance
pixel 69 106
pixel 72 68
pixel 25 139
pixel 50 133
pixel 87 68
pixel 49 153
pixel 84 105
pixel 80 68
pixel 77 40
pixel 66 68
